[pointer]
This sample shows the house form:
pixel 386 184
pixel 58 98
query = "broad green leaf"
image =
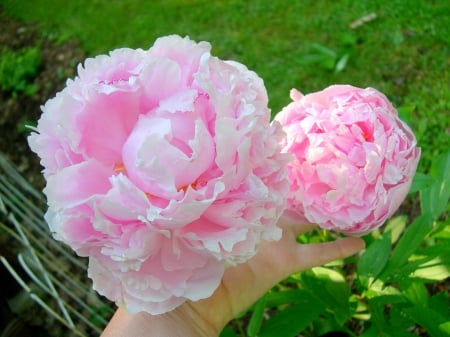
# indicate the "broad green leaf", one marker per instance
pixel 420 312
pixel 330 288
pixel 292 320
pixel 395 326
pixel 378 317
pixel 400 322
pixel 407 270
pixel 439 303
pixel 440 249
pixel 379 288
pixel 442 231
pixel 431 263
pixel 257 317
pixel 434 270
pixel 327 325
pixel 388 299
pixel 420 182
pixel 396 226
pixel 372 331
pixel 407 244
pixel 432 321
pixel 375 257
pixel 441 167
pixel 415 292
pixel 277 298
pixel 444 328
pixel 228 332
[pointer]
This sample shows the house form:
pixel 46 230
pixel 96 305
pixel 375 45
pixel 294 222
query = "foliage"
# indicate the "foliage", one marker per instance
pixel 396 288
pixel 18 68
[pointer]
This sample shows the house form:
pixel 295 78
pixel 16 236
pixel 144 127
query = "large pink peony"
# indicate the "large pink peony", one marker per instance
pixel 163 168
pixel 354 158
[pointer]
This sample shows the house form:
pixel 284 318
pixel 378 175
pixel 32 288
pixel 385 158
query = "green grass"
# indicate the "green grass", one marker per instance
pixel 403 52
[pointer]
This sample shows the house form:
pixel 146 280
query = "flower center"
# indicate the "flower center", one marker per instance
pixel 194 185
pixel 119 167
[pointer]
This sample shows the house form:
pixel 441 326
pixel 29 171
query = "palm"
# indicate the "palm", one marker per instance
pixel 243 284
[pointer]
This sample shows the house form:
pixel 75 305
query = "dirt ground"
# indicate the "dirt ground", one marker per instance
pixel 58 62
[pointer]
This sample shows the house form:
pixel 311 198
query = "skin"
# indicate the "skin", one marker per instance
pixel 241 286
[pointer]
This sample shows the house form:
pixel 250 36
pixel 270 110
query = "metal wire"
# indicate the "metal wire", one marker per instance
pixel 51 267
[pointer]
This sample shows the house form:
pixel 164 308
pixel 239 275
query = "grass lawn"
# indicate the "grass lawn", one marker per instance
pixel 403 49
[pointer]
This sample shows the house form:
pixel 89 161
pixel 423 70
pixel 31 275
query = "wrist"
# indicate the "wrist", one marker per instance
pixel 181 322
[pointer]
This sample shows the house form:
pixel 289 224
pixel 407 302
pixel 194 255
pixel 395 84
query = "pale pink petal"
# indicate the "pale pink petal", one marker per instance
pixel 354 159
pixel 163 168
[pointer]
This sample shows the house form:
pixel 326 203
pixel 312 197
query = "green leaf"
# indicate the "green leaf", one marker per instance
pixel 408 243
pixel 377 316
pixel 228 332
pixel 325 324
pixel 375 257
pixel 396 226
pixel 439 303
pixel 257 317
pixel 420 312
pixel 381 300
pixel 277 298
pixel 433 270
pixel 430 320
pixel 292 320
pixel 442 231
pixel 444 328
pixel 331 289
pixel 429 263
pixel 421 182
pixel 415 292
pixel 372 331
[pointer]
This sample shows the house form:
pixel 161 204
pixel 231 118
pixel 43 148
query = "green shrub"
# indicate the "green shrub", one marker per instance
pixel 18 69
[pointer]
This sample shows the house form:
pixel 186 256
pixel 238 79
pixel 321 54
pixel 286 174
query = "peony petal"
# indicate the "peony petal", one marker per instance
pixel 163 168
pixel 75 185
pixel 350 154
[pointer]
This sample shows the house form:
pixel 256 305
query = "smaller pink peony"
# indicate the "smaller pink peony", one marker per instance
pixel 354 158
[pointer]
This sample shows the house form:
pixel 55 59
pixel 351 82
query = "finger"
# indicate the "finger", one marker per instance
pixel 311 255
pixel 295 227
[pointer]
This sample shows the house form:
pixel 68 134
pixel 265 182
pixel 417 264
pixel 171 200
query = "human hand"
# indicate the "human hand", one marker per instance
pixel 241 286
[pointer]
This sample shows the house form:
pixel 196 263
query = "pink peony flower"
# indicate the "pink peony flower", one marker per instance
pixel 354 158
pixel 163 168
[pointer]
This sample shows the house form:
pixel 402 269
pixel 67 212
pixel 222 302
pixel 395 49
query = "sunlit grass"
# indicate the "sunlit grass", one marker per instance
pixel 403 51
